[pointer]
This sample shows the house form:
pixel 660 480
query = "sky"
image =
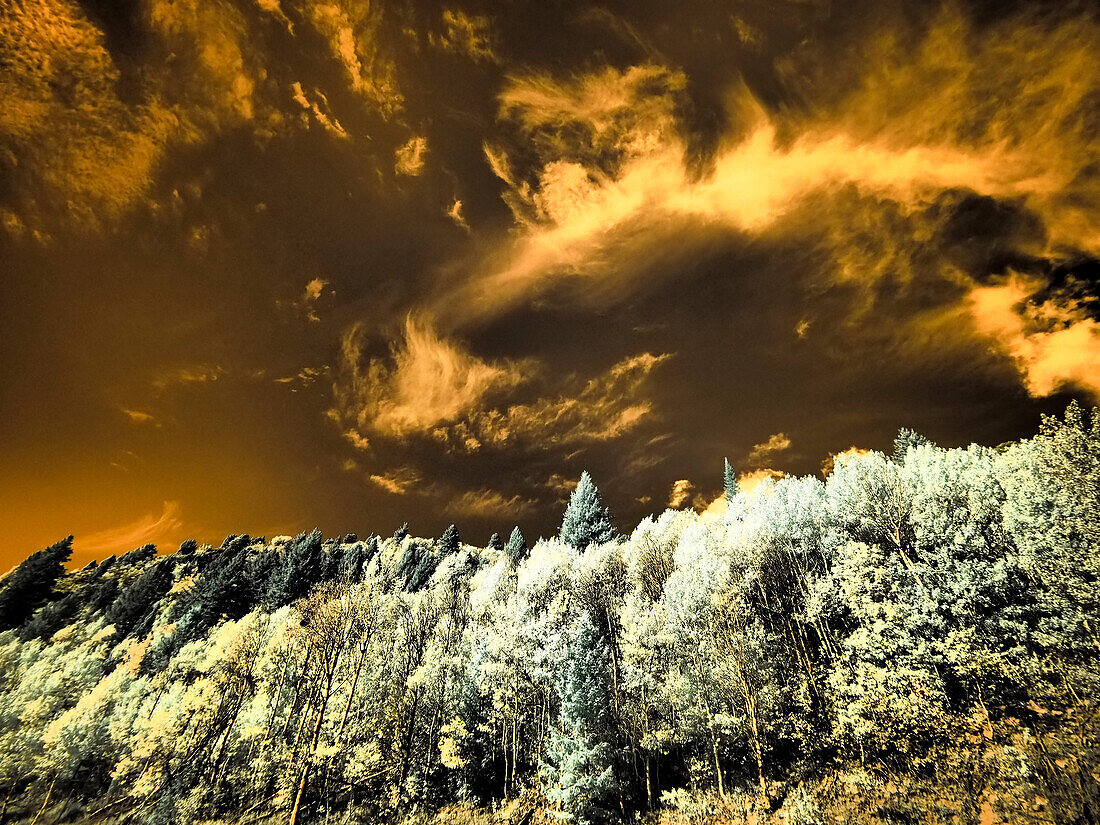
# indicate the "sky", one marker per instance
pixel 271 265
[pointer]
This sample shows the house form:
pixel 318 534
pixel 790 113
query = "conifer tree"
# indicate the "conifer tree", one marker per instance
pixel 31 584
pixel 135 608
pixel 581 760
pixel 516 549
pixel 302 566
pixel 729 481
pixel 449 542
pixel 496 543
pixel 586 521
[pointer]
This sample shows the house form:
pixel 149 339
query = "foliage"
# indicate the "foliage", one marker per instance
pixel 912 638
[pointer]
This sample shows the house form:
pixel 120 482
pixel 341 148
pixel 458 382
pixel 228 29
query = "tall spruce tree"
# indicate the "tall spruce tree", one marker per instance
pixel 729 481
pixel 449 542
pixel 302 566
pixel 581 760
pixel 586 521
pixel 516 549
pixel 31 584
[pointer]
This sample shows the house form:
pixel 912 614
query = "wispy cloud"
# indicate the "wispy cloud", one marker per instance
pixel 489 504
pixel 767 450
pixel 409 158
pixel 398 481
pixel 148 529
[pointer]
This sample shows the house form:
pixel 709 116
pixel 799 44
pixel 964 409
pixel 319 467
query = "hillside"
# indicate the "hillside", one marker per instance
pixel 912 639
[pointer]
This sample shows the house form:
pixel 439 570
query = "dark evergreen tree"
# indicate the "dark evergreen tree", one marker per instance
pixel 586 521
pixel 416 565
pixel 401 532
pixel 188 547
pixel 333 562
pixel 101 594
pixel 516 549
pixel 260 568
pixel 496 543
pixel 301 568
pixel 351 568
pixel 729 481
pixel 449 542
pixel 135 608
pixel 51 618
pixel 31 584
pixel 137 556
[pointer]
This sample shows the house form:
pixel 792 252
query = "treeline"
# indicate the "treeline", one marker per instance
pixel 913 639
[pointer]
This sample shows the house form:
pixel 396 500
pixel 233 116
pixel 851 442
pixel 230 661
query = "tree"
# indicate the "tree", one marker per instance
pixel 516 549
pixel 302 566
pixel 581 760
pixel 904 440
pixel 416 565
pixel 449 542
pixel 496 543
pixel 31 584
pixel 135 608
pixel 729 481
pixel 586 521
pixel 137 556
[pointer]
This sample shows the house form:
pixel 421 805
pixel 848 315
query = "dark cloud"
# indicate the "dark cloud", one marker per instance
pixel 286 262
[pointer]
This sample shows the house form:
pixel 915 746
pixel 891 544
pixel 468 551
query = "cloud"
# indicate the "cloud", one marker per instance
pixel 398 482
pixel 433 388
pixel 149 529
pixel 424 382
pixel 455 214
pixel 747 482
pixel 318 107
pixel 681 492
pixel 615 181
pixel 186 374
pixel 467 35
pixel 409 158
pixel 603 408
pixel 80 152
pixel 1053 344
pixel 351 29
pixel 489 504
pixel 767 450
pixel 138 417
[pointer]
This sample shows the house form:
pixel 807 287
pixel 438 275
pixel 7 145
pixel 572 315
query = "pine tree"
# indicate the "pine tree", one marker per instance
pixel 586 521
pixel 580 766
pixel 401 532
pixel 516 548
pixel 31 584
pixel 416 565
pixel 143 553
pixel 496 543
pixel 729 480
pixel 449 542
pixel 301 568
pixel 135 608
pixel 905 440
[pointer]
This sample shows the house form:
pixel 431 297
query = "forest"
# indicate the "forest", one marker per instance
pixel 911 638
